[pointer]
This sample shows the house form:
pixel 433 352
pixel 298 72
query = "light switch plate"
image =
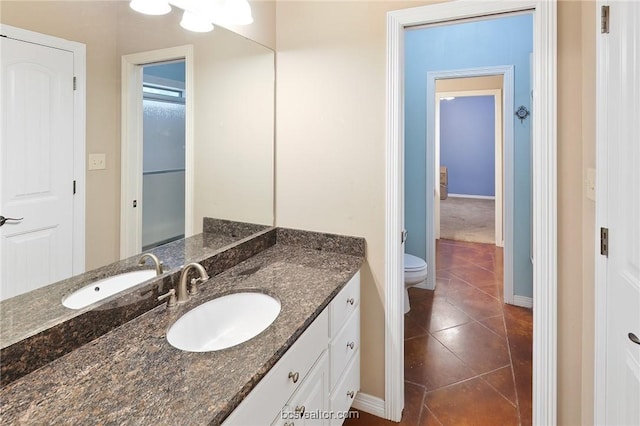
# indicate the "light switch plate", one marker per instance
pixel 97 161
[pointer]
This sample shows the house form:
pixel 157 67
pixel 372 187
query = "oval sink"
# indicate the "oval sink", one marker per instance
pixel 106 287
pixel 223 322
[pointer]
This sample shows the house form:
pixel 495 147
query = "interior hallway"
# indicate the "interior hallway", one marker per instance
pixel 468 356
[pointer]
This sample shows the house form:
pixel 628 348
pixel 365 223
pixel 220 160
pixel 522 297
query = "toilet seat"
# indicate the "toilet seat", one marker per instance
pixel 413 263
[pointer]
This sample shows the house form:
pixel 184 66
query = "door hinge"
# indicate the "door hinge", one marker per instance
pixel 604 20
pixel 74 186
pixel 604 241
pixel 135 203
pixel 75 83
pixel 403 236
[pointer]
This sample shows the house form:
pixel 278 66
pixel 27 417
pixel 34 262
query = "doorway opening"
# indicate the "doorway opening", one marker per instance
pixel 544 213
pixel 163 165
pixel 157 148
pixel 468 200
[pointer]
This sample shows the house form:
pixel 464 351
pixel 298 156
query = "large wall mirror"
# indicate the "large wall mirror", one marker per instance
pixel 232 118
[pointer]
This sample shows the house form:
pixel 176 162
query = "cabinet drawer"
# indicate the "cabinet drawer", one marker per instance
pixel 344 304
pixel 344 346
pixel 266 400
pixel 345 392
pixel 310 401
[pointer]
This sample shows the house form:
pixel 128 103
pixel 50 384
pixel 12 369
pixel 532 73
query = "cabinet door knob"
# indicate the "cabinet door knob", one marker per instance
pixel 294 376
pixel 351 301
pixel 300 409
pixel 351 394
pixel 351 345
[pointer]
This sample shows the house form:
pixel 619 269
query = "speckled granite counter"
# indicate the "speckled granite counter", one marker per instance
pixel 132 375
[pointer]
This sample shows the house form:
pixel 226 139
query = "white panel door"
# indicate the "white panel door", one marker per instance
pixel 36 166
pixel 622 393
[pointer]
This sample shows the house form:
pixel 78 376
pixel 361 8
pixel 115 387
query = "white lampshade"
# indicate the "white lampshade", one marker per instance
pixel 151 7
pixel 192 22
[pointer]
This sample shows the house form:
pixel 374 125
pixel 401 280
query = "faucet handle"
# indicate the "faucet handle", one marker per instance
pixel 171 294
pixel 194 286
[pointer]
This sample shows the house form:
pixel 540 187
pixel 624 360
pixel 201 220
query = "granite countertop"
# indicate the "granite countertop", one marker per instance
pixel 132 375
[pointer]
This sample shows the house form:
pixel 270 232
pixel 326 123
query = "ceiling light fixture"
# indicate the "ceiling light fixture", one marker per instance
pixel 196 23
pixel 200 15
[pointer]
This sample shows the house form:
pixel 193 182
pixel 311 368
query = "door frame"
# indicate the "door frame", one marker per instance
pixel 79 130
pixel 497 157
pixel 132 143
pixel 544 193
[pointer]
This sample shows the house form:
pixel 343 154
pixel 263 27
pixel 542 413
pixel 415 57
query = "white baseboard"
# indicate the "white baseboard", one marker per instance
pixel 523 301
pixel 479 197
pixel 369 404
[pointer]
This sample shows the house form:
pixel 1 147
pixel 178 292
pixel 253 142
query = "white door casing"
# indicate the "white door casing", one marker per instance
pixel 132 142
pixel 42 140
pixel 617 357
pixel 544 193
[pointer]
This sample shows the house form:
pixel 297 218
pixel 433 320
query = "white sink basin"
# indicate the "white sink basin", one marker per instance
pixel 223 322
pixel 106 287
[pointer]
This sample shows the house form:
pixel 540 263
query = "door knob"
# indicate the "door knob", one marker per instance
pixel 634 338
pixel 4 220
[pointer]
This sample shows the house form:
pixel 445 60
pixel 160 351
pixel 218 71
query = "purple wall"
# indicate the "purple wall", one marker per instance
pixel 467 144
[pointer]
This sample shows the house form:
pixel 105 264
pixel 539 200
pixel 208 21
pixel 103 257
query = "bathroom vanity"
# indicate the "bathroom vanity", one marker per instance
pixel 315 382
pixel 133 375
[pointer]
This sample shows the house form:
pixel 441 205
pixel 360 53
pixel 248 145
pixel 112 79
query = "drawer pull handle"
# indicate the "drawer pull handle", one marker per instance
pixel 300 409
pixel 351 301
pixel 289 424
pixel 351 394
pixel 294 376
pixel 351 345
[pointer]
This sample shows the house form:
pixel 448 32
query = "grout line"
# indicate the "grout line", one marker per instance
pixel 424 396
pixel 513 370
pixel 430 411
pixel 515 404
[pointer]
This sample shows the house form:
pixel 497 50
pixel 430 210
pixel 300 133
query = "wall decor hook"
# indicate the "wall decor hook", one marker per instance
pixel 522 113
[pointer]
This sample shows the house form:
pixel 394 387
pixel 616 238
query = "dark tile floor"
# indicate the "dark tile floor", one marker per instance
pixel 467 355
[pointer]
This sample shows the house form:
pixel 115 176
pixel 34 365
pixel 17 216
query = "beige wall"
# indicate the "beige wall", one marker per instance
pixel 330 163
pixel 109 29
pixel 469 83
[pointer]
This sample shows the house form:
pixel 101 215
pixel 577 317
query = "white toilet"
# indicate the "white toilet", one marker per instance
pixel 415 272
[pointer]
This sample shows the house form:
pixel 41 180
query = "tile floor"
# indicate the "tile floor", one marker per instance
pixel 467 355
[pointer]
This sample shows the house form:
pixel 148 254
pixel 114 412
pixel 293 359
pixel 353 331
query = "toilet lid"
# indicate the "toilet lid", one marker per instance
pixel 412 262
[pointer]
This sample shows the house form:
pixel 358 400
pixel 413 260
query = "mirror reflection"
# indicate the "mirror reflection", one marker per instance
pixel 227 175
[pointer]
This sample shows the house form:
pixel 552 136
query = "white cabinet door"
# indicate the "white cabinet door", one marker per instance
pixel 36 166
pixel 310 404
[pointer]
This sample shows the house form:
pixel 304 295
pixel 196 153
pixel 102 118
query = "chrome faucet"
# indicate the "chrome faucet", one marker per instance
pixel 158 262
pixel 182 293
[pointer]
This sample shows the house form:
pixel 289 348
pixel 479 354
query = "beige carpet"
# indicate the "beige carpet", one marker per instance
pixel 468 219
